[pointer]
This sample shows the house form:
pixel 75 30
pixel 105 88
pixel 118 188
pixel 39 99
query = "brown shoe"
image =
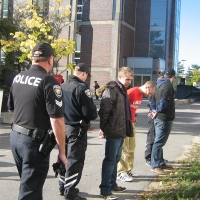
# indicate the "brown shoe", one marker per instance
pixel 158 171
pixel 167 167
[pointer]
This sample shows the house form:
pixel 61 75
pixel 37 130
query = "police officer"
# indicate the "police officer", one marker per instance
pixel 79 111
pixel 37 102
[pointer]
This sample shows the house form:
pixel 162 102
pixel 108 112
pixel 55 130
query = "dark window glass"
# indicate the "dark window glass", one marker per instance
pixel 114 9
pixel 156 51
pixel 157 37
pixel 137 81
pixel 146 78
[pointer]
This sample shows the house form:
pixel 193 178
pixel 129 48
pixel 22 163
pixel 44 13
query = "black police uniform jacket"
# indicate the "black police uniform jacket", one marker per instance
pixel 79 104
pixel 112 112
pixel 35 96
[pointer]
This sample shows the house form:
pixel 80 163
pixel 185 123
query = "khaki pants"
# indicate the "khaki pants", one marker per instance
pixel 127 158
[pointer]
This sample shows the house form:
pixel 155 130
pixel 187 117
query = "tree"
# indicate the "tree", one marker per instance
pixel 193 75
pixel 33 28
pixel 180 73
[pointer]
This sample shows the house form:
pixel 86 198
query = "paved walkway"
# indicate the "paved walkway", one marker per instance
pixel 185 129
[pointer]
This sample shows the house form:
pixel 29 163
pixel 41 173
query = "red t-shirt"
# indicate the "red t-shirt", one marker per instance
pixel 135 99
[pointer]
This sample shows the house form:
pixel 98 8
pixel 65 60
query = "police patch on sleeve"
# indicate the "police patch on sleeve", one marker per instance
pixel 57 90
pixel 88 93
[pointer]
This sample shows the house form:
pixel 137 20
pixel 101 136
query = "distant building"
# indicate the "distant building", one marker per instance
pixel 141 34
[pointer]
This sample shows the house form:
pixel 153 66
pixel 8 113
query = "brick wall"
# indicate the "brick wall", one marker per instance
pixel 97 10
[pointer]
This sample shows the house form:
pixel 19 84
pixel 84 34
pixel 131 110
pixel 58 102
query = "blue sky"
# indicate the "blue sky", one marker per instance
pixel 189 43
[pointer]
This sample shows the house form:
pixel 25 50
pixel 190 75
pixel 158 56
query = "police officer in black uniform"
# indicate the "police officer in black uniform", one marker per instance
pixel 37 102
pixel 79 111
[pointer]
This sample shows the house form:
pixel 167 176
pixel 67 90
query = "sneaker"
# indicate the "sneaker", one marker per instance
pixel 76 198
pixel 124 177
pixel 119 189
pixel 131 174
pixel 158 171
pixel 166 167
pixel 109 196
pixel 148 162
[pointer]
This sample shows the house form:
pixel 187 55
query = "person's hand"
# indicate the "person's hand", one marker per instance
pixel 62 158
pixel 152 114
pixel 101 135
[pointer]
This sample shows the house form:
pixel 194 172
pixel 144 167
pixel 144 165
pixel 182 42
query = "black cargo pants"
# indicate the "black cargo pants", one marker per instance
pixel 32 166
pixel 75 151
pixel 150 138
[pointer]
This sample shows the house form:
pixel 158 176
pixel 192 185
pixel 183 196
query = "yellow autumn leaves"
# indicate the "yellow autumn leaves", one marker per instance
pixel 34 28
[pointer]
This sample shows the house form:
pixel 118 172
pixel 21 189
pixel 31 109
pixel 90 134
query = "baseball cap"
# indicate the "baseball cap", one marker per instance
pixel 81 67
pixel 170 72
pixel 45 49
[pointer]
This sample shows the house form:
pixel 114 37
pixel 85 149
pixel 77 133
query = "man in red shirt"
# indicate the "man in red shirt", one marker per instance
pixel 125 165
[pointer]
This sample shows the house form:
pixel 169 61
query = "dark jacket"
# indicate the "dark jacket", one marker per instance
pixel 79 104
pixel 112 112
pixel 163 100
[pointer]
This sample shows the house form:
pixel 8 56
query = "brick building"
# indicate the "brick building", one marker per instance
pixel 109 34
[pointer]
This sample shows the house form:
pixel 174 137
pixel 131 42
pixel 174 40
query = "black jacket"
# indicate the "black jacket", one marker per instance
pixel 163 100
pixel 78 102
pixel 113 112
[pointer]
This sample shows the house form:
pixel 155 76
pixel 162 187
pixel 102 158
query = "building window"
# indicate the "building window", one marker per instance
pixel 142 71
pixel 157 44
pixel 2 58
pixel 44 7
pixel 5 9
pixel 80 9
pixel 114 10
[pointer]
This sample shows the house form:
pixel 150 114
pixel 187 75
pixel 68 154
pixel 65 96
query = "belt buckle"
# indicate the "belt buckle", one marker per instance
pixel 30 132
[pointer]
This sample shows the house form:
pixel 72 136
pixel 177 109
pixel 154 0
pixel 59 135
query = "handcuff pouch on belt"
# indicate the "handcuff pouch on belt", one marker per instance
pixel 48 143
pixel 38 135
pixel 83 129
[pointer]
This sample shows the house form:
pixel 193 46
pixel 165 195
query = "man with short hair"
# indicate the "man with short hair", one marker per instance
pixel 125 165
pixel 37 102
pixel 163 112
pixel 79 111
pixel 115 122
pixel 151 132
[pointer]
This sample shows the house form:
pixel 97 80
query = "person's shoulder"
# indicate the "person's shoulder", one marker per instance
pixel 133 89
pixel 50 79
pixel 82 86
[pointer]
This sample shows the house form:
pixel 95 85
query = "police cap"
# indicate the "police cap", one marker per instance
pixel 81 67
pixel 45 50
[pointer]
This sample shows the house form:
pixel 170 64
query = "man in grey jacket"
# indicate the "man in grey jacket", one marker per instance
pixel 115 122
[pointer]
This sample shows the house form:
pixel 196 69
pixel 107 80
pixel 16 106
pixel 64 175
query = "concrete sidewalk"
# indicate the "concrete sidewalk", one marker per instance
pixel 185 130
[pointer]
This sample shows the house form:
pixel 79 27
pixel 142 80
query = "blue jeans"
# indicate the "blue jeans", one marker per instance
pixel 113 150
pixel 162 131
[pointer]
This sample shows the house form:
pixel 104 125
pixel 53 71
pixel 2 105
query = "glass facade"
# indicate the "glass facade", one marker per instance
pixel 80 4
pixel 176 33
pixel 157 29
